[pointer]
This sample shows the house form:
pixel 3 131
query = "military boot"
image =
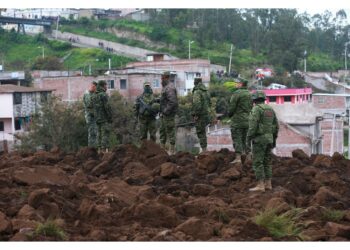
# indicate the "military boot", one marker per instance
pixel 204 149
pixel 260 187
pixel 268 185
pixel 106 150
pixel 163 146
pixel 171 150
pixel 237 159
pixel 248 157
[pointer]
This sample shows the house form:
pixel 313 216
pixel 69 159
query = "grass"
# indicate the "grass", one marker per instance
pixel 279 225
pixel 49 229
pixel 334 215
pixel 19 52
pixel 221 216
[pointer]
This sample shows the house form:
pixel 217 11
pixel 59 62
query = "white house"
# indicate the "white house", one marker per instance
pixel 17 104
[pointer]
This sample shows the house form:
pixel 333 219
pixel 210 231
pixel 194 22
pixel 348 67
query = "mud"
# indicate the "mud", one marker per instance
pixel 143 194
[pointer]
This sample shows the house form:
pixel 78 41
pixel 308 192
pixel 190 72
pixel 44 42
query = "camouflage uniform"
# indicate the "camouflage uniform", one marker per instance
pixel 239 109
pixel 168 109
pixel 263 130
pixel 146 114
pixel 103 114
pixel 200 111
pixel 90 118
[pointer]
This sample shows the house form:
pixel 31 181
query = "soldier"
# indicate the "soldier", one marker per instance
pixel 168 109
pixel 262 132
pixel 146 109
pixel 239 109
pixel 103 114
pixel 89 114
pixel 200 111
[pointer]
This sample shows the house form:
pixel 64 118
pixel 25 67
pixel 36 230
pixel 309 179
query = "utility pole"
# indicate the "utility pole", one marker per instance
pixel 305 53
pixel 345 55
pixel 189 48
pixel 58 19
pixel 229 66
pixel 109 63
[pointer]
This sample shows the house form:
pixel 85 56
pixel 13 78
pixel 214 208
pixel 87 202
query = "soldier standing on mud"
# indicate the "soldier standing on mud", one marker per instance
pixel 262 132
pixel 168 109
pixel 146 109
pixel 89 114
pixel 200 111
pixel 103 115
pixel 239 109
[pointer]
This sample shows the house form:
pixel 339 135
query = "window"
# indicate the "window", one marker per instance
pixel 110 84
pixel 43 96
pixel 17 124
pixel 321 99
pixel 156 83
pixel 17 98
pixel 272 98
pixel 122 83
pixel 288 98
pixel 1 126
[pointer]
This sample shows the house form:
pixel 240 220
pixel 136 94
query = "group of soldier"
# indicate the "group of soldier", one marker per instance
pixel 254 125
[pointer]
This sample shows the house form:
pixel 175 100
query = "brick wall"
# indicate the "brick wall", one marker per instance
pixel 327 102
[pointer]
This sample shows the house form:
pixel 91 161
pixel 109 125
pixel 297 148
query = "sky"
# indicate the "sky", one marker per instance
pixel 311 6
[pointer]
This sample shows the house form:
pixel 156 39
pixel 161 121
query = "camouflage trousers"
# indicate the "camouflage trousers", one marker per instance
pixel 92 129
pixel 167 129
pixel 239 138
pixel 262 160
pixel 148 125
pixel 201 125
pixel 103 131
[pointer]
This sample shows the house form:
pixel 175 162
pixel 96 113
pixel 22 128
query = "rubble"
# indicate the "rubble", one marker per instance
pixel 143 194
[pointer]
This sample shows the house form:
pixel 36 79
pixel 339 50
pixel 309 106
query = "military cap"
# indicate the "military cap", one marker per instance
pixel 259 95
pixel 198 79
pixel 166 73
pixel 94 83
pixel 101 83
pixel 147 84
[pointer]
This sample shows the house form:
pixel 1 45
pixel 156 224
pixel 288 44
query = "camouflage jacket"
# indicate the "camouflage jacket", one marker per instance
pixel 143 106
pixel 200 100
pixel 88 103
pixel 168 100
pixel 102 108
pixel 263 124
pixel 239 108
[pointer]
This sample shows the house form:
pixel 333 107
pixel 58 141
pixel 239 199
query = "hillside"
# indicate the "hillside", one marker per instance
pixel 22 52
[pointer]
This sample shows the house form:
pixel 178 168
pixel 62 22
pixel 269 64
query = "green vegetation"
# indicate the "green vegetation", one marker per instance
pixel 69 130
pixel 329 214
pixel 49 229
pixel 23 52
pixel 279 225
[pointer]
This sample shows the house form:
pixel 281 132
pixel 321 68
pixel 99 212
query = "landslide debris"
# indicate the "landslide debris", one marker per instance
pixel 143 194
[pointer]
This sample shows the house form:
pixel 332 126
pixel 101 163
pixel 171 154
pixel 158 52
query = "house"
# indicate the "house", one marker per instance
pixel 140 15
pixel 311 122
pixel 12 77
pixel 17 105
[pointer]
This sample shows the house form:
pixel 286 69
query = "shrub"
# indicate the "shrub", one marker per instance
pixel 279 225
pixel 332 215
pixel 49 229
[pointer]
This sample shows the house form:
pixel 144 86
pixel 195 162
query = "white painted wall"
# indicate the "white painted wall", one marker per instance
pixel 6 105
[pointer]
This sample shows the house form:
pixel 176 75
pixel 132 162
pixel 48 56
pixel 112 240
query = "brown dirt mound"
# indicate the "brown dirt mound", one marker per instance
pixel 143 194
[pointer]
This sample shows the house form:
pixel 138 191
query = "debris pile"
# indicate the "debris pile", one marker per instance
pixel 143 194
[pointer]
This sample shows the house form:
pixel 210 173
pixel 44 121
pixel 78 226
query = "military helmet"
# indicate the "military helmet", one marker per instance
pixel 147 84
pixel 155 107
pixel 259 95
pixel 94 83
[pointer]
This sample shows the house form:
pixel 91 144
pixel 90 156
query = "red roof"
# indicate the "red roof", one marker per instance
pixel 10 88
